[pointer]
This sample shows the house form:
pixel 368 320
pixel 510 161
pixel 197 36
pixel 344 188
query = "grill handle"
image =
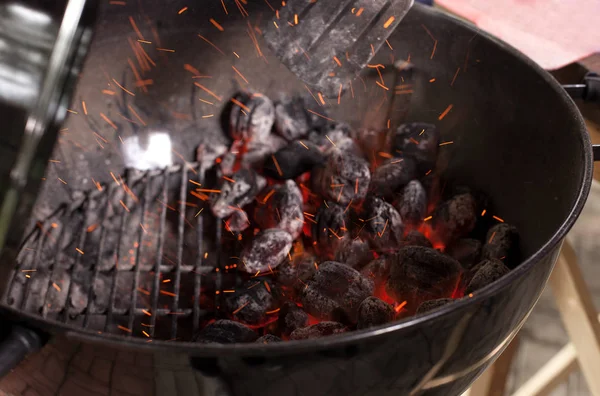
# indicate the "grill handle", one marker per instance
pixel 19 343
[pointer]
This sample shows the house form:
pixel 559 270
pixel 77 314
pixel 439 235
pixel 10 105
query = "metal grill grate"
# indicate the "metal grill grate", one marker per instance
pixel 66 272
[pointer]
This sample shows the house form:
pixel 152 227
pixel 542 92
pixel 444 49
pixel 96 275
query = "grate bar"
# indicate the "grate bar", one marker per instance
pixel 103 234
pixel 138 251
pixel 115 269
pixel 80 244
pixel 198 267
pixel 180 242
pixel 159 253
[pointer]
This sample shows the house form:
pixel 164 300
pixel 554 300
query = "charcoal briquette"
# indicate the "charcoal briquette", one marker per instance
pixel 455 218
pixel 318 330
pixel 251 117
pixel 238 221
pixel 297 272
pixel 293 120
pixel 466 251
pixel 258 153
pixel 291 318
pixel 293 160
pixel 412 204
pixel 246 185
pixel 433 304
pixel 419 274
pixel 225 332
pixel 354 252
pixel 330 228
pixel 267 250
pixel 345 177
pixel 502 242
pixel 416 238
pixel 250 302
pixel 334 290
pixel 487 272
pixel 374 312
pixel 391 176
pixel 419 141
pixel 268 339
pixel 383 224
pixel 282 209
pixel 378 271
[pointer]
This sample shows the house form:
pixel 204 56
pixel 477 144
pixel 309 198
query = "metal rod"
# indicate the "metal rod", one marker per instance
pixel 180 242
pixel 159 254
pixel 200 256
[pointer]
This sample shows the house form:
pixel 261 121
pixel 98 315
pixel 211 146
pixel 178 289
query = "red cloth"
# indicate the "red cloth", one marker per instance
pixel 554 33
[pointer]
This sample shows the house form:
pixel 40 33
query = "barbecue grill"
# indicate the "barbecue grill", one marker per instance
pixel 532 156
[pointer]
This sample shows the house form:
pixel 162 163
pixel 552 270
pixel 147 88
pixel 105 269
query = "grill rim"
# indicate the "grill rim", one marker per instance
pixel 582 139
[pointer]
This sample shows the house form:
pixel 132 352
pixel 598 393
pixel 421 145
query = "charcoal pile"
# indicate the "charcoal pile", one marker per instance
pixel 329 238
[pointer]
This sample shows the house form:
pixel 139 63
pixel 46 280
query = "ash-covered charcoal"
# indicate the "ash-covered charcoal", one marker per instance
pixel 259 151
pixel 266 251
pixel 335 291
pixel 291 318
pixel 354 252
pixel 282 209
pixel 293 121
pixel 374 312
pixel 252 116
pixel 419 274
pixel 318 330
pixel 235 195
pixel 433 304
pixel 344 178
pixel 268 339
pixel 466 251
pixel 225 332
pixel 378 271
pixel 419 141
pixel 487 272
pixel 391 176
pixel 330 228
pixel 415 238
pixel 455 218
pixel 413 203
pixel 297 272
pixel 207 153
pixel 384 225
pixel 250 303
pixel 238 221
pixel 502 242
pixel 293 160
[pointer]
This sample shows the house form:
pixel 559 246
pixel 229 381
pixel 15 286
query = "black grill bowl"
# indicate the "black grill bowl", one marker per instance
pixel 517 136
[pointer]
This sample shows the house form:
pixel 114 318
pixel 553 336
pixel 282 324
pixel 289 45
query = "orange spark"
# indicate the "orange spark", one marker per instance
pixel 498 219
pixel 389 22
pixel 335 58
pixel 340 94
pixel 123 205
pixel 240 74
pixel 143 291
pixel 267 287
pixel 145 312
pixel 229 179
pixel 428 218
pixel 112 124
pixel 84 108
pixel 146 334
pixel 166 293
pixel 165 49
pixel 492 237
pixel 330 141
pixel 72 111
pixel 92 227
pixel 389 45
pixel 446 143
pixel 382 86
pixel 445 112
pixel 184 9
pixel 208 91
pixel 303 145
pixel 216 24
pixel 225 8
pixel 123 88
pixel 400 306
pixel 79 251
pixel 455 75
pixel 124 328
pixel 135 28
pixel 54 285
pixel 240 308
pixel 432 80
pixel 273 311
pixel 360 11
pixel 268 196
pixel 321 98
pixel 208 191
pixel 240 104
pixel 209 42
pixel 62 181
pixel 484 211
pixel 136 115
pixel 108 92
